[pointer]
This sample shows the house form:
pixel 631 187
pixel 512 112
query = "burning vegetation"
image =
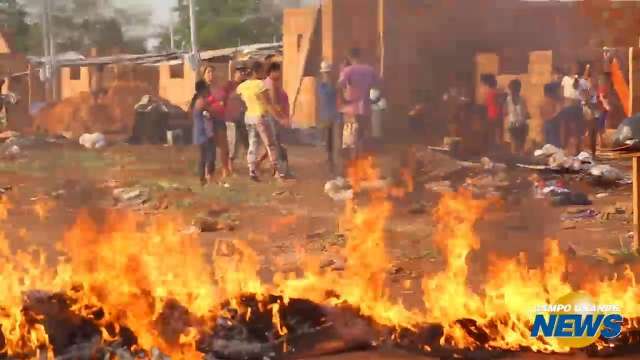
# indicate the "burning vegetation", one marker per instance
pixel 130 286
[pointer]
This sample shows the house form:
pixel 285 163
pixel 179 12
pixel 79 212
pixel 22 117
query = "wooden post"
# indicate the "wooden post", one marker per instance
pixel 631 83
pixel 636 201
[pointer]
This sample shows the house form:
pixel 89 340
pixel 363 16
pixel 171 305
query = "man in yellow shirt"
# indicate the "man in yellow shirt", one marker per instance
pixel 258 103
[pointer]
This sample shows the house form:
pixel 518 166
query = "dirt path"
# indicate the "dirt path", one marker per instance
pixel 277 219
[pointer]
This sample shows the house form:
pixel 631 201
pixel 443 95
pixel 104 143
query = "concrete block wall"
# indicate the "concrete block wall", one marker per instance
pixel 178 91
pixel 539 73
pixel 297 28
pixel 71 87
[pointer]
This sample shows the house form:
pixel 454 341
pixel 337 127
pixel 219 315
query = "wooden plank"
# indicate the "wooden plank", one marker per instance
pixel 636 201
pixel 631 82
pixel 305 59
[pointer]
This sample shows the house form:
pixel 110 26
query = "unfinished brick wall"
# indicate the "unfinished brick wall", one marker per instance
pixel 298 25
pixel 539 72
pixel 418 44
pixel 73 81
pixel 178 89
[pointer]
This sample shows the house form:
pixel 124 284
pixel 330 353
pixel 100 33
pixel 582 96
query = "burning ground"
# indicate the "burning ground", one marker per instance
pixel 120 282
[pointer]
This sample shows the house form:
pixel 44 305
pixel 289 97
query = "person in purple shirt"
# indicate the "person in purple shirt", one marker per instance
pixel 356 81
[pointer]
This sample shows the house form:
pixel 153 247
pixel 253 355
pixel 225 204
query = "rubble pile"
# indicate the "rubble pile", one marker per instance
pixel 558 160
pixel 258 327
pixel 77 115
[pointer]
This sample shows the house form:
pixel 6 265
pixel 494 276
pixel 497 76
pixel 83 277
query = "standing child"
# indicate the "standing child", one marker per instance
pixel 549 109
pixel 203 134
pixel 330 119
pixel 216 104
pixel 604 105
pixel 517 116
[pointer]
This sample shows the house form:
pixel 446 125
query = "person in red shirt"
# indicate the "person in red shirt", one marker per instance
pixel 216 104
pixel 492 104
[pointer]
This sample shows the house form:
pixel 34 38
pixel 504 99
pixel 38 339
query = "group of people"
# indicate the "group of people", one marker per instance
pixel 252 109
pixel 575 108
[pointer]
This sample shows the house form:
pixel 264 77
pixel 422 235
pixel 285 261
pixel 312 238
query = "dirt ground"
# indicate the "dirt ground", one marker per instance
pixel 276 219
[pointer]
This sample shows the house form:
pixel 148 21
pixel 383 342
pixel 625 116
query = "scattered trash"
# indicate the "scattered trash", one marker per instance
pixel 131 197
pixel 338 189
pixel 280 193
pixel 560 161
pixel 487 164
pixel 570 198
pixel 487 184
pixel 606 173
pixel 439 186
pixel 206 224
pixel 396 270
pixel 418 209
pixel 5 135
pixel 12 151
pixel 609 212
pixel 93 141
pixel 584 214
pixel 542 188
pixel 5 189
pixel 547 150
pixel 628 132
pixel 601 195
pixel 316 234
pixel 572 250
pixel 333 264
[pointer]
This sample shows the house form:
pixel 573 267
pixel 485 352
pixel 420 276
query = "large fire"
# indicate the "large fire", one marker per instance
pixel 145 283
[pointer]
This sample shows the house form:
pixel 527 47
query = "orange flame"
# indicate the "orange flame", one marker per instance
pixel 132 268
pixel 5 206
pixel 42 208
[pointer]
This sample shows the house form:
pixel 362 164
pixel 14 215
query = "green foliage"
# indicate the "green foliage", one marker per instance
pixel 13 19
pixel 78 25
pixel 225 23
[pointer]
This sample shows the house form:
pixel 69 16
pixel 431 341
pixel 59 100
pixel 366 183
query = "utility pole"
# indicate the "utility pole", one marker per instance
pixel 52 53
pixel 45 45
pixel 171 40
pixel 192 24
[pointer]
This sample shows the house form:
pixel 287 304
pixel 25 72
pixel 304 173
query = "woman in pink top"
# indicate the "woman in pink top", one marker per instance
pixel 216 104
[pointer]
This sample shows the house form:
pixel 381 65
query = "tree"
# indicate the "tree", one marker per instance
pixel 80 25
pixel 226 23
pixel 13 19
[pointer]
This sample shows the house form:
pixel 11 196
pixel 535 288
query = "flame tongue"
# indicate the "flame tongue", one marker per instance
pixel 142 283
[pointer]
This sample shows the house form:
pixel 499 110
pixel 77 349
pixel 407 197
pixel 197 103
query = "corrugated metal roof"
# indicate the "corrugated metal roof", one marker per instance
pixel 231 52
pixel 78 60
pixel 70 59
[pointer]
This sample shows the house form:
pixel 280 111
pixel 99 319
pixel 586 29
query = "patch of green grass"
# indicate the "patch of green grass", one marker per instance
pixel 47 162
